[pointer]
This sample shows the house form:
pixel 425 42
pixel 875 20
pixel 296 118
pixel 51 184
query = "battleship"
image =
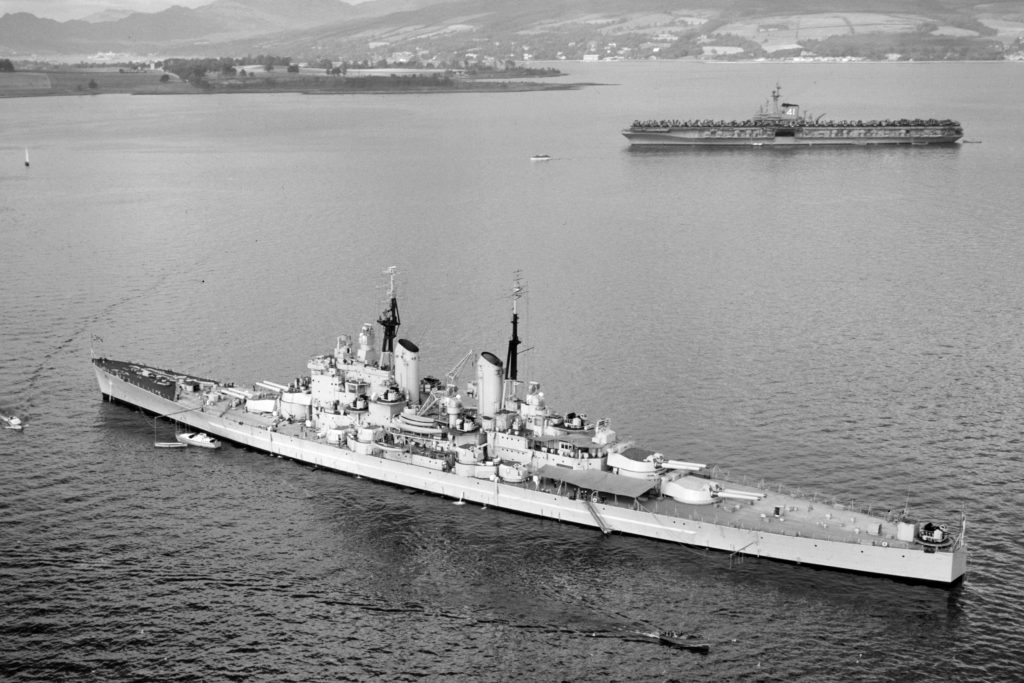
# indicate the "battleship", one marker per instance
pixel 364 410
pixel 782 124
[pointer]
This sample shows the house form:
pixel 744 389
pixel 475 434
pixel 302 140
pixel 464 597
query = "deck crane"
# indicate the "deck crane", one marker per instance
pixel 450 379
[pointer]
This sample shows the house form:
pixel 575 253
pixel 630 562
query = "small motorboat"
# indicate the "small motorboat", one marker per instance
pixel 11 422
pixel 540 157
pixel 201 439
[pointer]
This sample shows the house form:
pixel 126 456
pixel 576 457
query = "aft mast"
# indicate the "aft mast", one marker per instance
pixel 389 320
pixel 511 382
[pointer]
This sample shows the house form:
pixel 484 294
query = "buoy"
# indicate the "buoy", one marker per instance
pixel 26 157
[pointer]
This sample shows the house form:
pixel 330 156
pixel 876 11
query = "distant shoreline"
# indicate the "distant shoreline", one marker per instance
pixel 100 81
pixel 168 92
pixel 108 82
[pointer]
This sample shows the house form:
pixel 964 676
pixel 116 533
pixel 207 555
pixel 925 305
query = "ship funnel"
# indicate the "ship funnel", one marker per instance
pixel 488 382
pixel 407 369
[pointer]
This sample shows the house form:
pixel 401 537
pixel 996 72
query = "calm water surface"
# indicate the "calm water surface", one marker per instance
pixel 848 322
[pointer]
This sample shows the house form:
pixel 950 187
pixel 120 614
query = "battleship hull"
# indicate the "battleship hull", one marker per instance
pixel 913 563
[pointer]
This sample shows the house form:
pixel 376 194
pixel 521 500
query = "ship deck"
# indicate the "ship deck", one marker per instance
pixel 780 513
pixel 774 512
pixel 761 510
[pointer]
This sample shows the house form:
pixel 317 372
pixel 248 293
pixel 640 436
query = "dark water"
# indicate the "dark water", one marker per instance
pixel 846 321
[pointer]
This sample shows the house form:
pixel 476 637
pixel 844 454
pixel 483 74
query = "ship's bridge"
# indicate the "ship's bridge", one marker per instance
pixel 571 445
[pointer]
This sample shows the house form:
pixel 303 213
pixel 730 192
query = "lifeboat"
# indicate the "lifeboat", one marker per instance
pixel 418 424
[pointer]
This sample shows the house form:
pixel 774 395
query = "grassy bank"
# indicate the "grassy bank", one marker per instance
pixel 107 81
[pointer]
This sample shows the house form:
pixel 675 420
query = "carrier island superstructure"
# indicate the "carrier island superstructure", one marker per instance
pixel 365 410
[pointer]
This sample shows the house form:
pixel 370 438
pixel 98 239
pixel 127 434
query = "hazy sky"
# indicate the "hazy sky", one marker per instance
pixel 63 10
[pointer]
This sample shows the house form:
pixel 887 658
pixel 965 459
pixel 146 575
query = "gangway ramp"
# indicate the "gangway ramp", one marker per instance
pixel 605 529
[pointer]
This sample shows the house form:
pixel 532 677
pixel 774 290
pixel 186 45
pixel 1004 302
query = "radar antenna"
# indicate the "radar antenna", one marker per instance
pixel 389 319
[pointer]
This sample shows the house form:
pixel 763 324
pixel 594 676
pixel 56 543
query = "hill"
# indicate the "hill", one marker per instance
pixel 452 32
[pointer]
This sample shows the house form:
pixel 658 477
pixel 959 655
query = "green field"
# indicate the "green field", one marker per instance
pixel 87 82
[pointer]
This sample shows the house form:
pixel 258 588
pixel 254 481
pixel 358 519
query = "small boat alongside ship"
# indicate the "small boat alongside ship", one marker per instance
pixel 364 410
pixel 783 124
pixel 199 439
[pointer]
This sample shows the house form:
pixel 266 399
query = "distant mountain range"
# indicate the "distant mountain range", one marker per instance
pixel 519 29
pixel 180 30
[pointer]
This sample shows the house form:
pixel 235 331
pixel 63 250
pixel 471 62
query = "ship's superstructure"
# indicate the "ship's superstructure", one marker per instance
pixel 783 123
pixel 364 409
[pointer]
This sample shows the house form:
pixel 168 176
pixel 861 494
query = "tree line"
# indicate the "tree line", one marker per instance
pixel 196 69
